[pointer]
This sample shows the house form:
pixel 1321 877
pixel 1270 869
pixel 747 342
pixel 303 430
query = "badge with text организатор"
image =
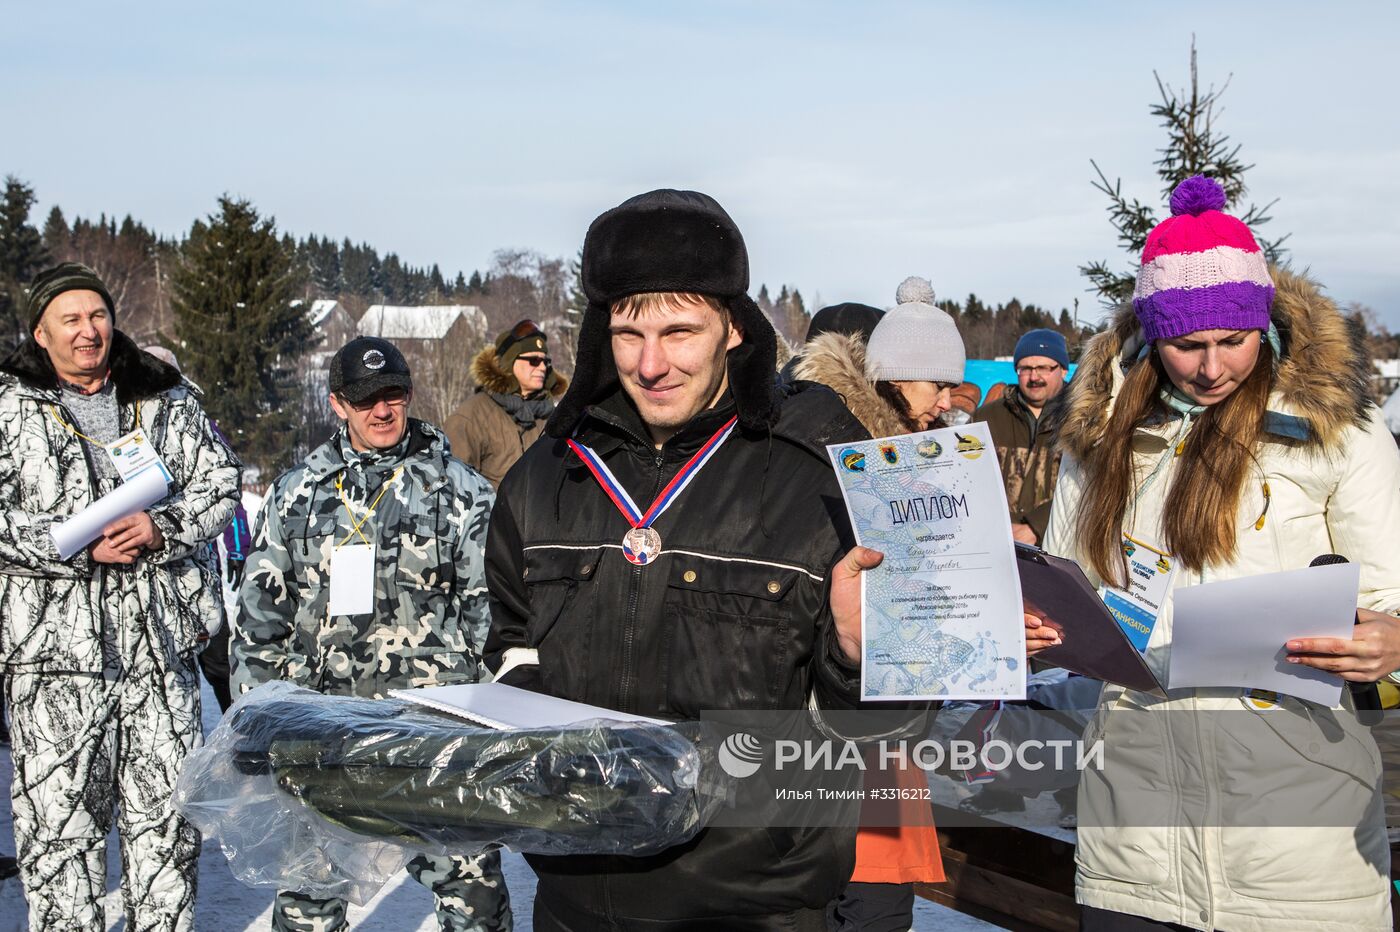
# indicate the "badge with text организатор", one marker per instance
pixel 941 616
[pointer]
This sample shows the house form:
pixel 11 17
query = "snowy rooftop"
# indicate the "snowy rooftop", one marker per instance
pixel 320 310
pixel 421 322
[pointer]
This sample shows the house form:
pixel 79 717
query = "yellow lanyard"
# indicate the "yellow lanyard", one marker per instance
pixel 53 412
pixel 354 524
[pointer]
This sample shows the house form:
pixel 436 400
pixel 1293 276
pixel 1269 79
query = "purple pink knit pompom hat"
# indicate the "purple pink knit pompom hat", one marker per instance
pixel 1201 269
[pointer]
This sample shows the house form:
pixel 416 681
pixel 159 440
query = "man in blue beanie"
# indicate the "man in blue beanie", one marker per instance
pixel 1022 422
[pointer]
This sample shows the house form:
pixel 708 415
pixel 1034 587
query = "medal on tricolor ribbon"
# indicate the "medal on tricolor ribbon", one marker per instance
pixel 641 544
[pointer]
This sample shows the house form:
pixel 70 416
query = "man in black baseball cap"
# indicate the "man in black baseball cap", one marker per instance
pixel 370 391
pixel 367 574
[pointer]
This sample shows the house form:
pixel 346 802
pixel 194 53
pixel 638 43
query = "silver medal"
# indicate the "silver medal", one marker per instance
pixel 641 545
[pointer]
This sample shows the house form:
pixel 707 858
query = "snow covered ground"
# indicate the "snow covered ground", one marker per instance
pixel 227 905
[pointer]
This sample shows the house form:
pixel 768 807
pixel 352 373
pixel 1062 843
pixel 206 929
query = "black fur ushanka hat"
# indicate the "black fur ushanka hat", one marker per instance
pixel 669 240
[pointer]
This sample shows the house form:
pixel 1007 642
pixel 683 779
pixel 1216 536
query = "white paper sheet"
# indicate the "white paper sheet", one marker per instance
pixel 497 705
pixel 138 493
pixel 1232 633
pixel 352 580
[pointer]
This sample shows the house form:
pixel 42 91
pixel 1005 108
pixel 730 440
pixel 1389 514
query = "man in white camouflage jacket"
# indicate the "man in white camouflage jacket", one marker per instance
pixel 385 491
pixel 98 650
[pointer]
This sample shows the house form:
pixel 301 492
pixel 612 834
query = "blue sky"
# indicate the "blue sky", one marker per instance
pixel 854 144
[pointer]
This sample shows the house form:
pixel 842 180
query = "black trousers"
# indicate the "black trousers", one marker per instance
pixel 560 917
pixel 873 907
pixel 213 662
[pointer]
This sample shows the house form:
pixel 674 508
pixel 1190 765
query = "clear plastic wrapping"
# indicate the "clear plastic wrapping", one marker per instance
pixel 332 795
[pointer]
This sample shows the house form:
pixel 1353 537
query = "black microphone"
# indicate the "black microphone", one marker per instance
pixel 1365 696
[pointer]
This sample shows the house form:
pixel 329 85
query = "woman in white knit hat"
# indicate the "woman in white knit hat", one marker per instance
pixel 898 383
pixel 901 381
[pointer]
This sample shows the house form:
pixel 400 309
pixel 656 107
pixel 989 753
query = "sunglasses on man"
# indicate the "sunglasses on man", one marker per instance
pixel 533 361
pixel 393 397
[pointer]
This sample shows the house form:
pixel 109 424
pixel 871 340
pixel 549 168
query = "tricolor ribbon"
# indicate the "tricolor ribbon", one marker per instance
pixel 668 495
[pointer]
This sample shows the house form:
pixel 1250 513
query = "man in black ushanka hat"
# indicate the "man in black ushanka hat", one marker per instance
pixel 738 590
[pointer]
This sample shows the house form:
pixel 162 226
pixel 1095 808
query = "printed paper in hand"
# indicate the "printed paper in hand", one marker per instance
pixel 941 616
pixel 1232 633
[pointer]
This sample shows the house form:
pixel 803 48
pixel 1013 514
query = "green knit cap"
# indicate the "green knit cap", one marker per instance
pixel 66 276
pixel 524 337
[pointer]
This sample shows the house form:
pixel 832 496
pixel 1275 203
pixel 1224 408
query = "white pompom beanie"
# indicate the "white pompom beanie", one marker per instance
pixel 915 342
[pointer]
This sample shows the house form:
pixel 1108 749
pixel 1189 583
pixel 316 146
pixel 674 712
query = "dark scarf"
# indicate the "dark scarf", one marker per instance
pixel 373 467
pixel 526 411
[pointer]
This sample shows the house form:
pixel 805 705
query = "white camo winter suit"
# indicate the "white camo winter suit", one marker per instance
pixel 99 659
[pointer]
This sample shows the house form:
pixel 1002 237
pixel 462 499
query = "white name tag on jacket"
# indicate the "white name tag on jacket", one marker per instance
pixel 134 453
pixel 352 580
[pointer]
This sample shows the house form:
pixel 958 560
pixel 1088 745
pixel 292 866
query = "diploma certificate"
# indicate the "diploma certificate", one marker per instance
pixel 941 616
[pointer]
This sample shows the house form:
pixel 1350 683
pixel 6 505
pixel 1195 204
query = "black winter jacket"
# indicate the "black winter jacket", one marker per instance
pixel 732 615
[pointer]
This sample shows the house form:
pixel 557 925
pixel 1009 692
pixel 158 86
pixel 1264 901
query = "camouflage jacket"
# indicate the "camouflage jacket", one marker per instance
pixel 430 610
pixel 74 615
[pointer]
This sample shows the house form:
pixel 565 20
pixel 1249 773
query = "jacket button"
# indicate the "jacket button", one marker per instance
pixel 1205 915
pixel 586 569
pixel 689 576
pixel 773 586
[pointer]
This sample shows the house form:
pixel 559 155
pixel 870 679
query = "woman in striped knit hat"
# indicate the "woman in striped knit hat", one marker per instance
pixel 1223 422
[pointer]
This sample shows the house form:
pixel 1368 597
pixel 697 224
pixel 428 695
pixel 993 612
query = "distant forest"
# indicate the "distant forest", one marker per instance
pixel 230 297
pixel 518 283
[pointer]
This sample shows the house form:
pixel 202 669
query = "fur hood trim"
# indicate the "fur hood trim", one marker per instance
pixel 1321 379
pixel 488 374
pixel 837 360
pixel 135 373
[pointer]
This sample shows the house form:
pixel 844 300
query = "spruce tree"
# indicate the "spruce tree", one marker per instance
pixel 22 255
pixel 325 266
pixel 359 271
pixel 393 280
pixel 239 334
pixel 1194 147
pixel 57 237
pixel 764 302
pixel 797 318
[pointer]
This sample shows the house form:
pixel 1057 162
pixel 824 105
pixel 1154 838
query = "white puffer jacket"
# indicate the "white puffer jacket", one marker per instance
pixel 1212 810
